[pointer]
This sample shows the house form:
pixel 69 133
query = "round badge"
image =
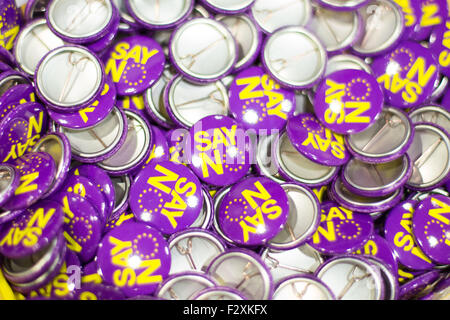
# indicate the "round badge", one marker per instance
pixel 341 230
pixel 407 74
pixel 84 187
pixel 37 171
pixel 258 102
pixel 348 101
pixel 21 129
pixel 254 211
pixel 167 196
pixel 31 231
pixel 299 67
pixel 271 16
pixel 220 150
pixel 207 58
pixel 134 63
pixel 9 23
pixel 398 232
pixel 382 22
pixel 90 115
pixel 134 257
pixel 412 13
pixel 431 228
pixel 100 179
pixel 316 142
pixel 82 226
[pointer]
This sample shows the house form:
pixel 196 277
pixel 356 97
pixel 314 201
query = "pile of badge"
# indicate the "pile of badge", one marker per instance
pixel 217 149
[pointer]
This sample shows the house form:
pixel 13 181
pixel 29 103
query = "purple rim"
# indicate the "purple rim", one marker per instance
pixel 16 73
pixel 54 269
pixel 113 150
pixel 445 179
pixel 341 50
pixel 209 220
pixel 260 39
pixel 283 83
pixel 400 182
pixel 255 257
pixel 364 208
pixel 150 26
pixel 167 105
pixel 307 237
pixel 107 39
pixel 304 276
pixel 387 158
pixel 178 234
pixel 394 285
pixel 150 113
pixel 217 288
pixel 29 8
pixel 81 40
pixel 25 276
pixel 75 107
pixel 64 164
pixel 7 57
pixel 144 156
pixel 413 287
pixel 286 176
pixel 359 258
pixel 117 211
pixel 192 78
pixel 12 188
pixel 7 215
pixel 393 44
pixel 181 274
pixel 343 8
pixel 211 7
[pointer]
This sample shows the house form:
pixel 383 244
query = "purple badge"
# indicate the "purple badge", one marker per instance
pixel 32 231
pixel 440 46
pixel 21 129
pixel 407 74
pixel 378 247
pixel 10 180
pixel 431 228
pixel 135 63
pixel 316 142
pixel 258 102
pixel 97 291
pixel 91 115
pixel 134 103
pixel 167 196
pixel 220 150
pixel 412 288
pixel 340 230
pixel 100 179
pixel 9 23
pixel 82 226
pixel 398 233
pixel 85 188
pixel 134 257
pixel 176 140
pixel 432 14
pixel 253 211
pixel 37 171
pixel 348 101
